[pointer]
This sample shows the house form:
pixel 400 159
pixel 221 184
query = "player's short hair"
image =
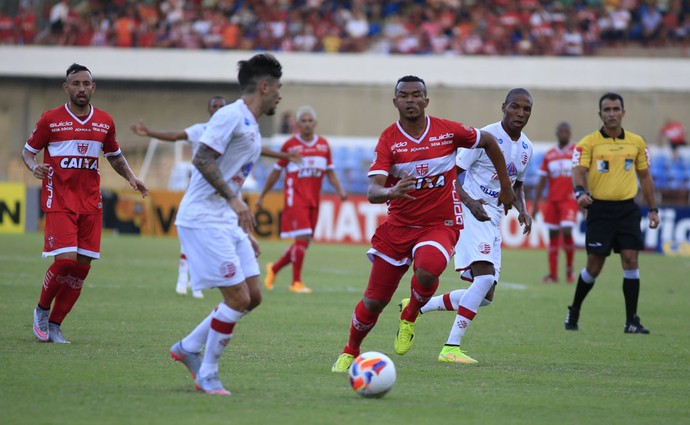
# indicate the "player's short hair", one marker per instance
pixel 409 79
pixel 306 109
pixel 214 98
pixel 263 65
pixel 562 124
pixel 74 68
pixel 611 96
pixel 516 92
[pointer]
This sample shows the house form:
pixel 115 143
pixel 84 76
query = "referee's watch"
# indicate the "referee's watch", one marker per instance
pixel 579 191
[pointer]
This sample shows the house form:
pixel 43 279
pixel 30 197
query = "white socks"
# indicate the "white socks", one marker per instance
pixel 438 303
pixel 469 304
pixel 222 323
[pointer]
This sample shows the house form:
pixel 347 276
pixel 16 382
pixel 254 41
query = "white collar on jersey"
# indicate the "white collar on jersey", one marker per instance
pixel 304 142
pixel 82 122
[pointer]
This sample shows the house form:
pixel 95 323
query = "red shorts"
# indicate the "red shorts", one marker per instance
pixel 396 244
pixel 560 213
pixel 298 221
pixel 73 232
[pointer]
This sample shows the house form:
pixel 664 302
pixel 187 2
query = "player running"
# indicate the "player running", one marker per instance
pixel 414 172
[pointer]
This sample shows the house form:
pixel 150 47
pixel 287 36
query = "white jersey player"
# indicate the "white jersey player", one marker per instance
pixel 214 222
pixel 478 251
pixel 481 240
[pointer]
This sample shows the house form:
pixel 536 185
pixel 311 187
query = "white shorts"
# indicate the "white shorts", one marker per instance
pixel 218 256
pixel 479 240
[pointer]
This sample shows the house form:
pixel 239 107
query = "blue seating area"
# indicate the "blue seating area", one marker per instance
pixel 352 161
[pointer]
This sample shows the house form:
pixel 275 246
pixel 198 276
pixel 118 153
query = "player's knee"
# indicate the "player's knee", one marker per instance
pixel 254 301
pixel 429 263
pixel 373 305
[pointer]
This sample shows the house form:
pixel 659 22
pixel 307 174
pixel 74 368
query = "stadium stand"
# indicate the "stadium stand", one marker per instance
pixel 444 27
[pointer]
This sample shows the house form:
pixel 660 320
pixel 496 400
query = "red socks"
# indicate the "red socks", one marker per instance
pixel 299 248
pixel 68 292
pixel 569 248
pixel 553 257
pixel 57 273
pixel 363 321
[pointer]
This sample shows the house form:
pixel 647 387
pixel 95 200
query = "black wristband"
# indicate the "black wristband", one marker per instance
pixel 656 210
pixel 579 191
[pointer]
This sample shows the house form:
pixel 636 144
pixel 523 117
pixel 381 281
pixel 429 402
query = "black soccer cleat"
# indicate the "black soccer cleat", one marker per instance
pixel 635 327
pixel 571 319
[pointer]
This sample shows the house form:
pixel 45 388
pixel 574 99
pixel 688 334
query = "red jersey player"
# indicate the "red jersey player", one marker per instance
pixel 560 209
pixel 302 192
pixel 414 172
pixel 72 137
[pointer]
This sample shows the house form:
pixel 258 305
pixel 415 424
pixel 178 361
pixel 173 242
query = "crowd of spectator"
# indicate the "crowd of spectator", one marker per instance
pixel 453 27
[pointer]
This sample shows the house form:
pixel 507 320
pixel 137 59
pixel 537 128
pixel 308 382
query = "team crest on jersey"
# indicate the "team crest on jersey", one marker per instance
pixel 82 148
pixel 524 158
pixel 512 169
pixel 484 248
pixel 228 270
pixel 422 169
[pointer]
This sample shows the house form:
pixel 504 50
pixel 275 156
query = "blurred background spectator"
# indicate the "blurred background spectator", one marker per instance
pixel 447 27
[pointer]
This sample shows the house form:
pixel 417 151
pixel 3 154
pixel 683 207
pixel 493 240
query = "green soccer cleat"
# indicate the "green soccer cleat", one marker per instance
pixel 453 354
pixel 342 365
pixel 404 338
pixel 403 303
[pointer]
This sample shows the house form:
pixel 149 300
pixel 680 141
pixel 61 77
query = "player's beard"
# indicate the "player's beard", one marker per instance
pixel 81 101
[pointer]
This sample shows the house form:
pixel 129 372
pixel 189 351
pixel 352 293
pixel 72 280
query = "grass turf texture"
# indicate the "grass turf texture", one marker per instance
pixel 118 371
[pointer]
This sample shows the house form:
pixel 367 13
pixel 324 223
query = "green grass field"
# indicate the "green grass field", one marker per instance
pixel 118 371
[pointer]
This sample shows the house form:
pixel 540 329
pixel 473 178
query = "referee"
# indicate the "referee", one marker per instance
pixel 606 167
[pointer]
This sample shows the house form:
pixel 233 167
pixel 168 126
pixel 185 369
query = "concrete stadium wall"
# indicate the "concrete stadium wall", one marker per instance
pixel 352 94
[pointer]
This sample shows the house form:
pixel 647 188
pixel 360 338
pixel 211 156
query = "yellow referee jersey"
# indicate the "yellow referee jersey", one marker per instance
pixel 612 164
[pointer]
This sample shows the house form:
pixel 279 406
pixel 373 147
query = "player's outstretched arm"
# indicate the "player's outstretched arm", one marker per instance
pixel 120 165
pixel 270 182
pixel 169 136
pixel 290 156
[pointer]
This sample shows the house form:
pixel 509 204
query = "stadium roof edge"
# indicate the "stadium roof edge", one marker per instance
pixel 552 73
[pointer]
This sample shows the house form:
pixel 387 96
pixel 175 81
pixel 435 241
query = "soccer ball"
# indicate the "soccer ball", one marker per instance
pixel 372 374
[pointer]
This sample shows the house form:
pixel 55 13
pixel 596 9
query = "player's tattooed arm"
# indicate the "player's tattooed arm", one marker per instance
pixel 120 165
pixel 205 161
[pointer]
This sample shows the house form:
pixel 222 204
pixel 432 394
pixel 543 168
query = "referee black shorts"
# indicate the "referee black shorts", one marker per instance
pixel 613 225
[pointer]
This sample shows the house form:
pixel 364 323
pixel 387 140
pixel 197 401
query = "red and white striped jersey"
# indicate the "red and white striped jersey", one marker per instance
pixel 558 167
pixel 431 158
pixel 302 186
pixel 72 146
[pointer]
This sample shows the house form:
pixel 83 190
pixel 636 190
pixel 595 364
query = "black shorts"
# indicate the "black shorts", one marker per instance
pixel 613 225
